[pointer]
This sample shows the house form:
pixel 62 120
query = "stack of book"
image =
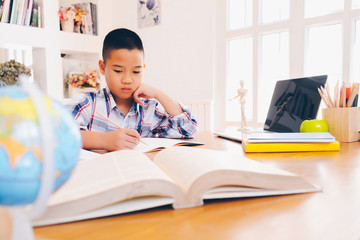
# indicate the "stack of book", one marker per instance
pixel 20 12
pixel 290 142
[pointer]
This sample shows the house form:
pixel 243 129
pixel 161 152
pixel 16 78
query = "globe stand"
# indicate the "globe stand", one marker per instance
pixel 22 227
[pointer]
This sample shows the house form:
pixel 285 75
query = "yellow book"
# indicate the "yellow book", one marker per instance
pixel 290 147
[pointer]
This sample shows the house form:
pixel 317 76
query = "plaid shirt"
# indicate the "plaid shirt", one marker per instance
pixel 150 120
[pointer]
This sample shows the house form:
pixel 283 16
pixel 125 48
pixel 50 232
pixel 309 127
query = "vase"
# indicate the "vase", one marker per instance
pixel 67 25
pixel 77 29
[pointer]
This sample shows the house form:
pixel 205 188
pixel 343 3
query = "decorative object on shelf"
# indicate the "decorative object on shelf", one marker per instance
pixel 71 17
pixel 40 146
pixel 148 13
pixel 83 82
pixel 67 25
pixel 79 19
pixel 10 71
pixel 67 16
pixel 87 20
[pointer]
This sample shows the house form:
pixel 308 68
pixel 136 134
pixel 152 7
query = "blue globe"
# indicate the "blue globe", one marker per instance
pixel 20 146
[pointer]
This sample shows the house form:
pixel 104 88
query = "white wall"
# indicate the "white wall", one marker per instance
pixel 180 52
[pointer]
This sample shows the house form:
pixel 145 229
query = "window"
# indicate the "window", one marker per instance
pixel 355 4
pixel 274 10
pixel 274 65
pixel 270 40
pixel 322 55
pixel 239 68
pixel 240 14
pixel 355 69
pixel 314 8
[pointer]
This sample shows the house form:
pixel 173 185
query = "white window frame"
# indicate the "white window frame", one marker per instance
pixel 297 27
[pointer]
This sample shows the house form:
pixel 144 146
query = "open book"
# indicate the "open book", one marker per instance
pixel 125 181
pixel 158 144
pixel 152 145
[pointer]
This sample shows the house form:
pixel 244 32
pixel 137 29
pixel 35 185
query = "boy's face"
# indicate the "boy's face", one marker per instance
pixel 123 72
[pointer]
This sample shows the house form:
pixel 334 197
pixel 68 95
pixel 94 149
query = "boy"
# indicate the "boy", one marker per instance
pixel 141 110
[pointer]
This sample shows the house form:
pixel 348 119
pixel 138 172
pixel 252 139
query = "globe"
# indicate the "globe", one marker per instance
pixel 21 156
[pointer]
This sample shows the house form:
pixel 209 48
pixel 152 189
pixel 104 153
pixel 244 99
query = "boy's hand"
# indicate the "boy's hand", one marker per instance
pixel 144 91
pixel 122 139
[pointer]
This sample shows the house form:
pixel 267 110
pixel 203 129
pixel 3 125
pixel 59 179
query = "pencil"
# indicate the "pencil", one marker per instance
pixel 336 95
pixel 323 98
pixel 342 96
pixel 353 93
pixel 109 120
pixel 327 88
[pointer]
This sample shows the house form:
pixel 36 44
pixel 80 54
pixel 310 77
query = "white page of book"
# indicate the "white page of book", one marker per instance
pixel 107 172
pixel 86 154
pixel 118 208
pixel 239 192
pixel 185 165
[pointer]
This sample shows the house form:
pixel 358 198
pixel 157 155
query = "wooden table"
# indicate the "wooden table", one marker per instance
pixel 333 213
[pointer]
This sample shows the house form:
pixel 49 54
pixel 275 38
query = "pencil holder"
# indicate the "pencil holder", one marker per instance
pixel 343 123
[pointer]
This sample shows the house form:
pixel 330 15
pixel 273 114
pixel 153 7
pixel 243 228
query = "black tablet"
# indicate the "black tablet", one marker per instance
pixel 293 101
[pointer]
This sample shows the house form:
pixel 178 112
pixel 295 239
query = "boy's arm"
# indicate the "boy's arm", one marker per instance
pixel 183 125
pixel 178 123
pixel 171 106
pixel 110 141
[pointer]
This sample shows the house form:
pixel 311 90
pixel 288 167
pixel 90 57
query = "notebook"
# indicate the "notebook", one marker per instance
pixel 324 137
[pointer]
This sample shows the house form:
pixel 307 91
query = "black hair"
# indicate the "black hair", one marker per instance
pixel 121 38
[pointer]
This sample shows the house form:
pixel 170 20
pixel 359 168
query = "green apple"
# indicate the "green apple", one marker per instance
pixel 314 125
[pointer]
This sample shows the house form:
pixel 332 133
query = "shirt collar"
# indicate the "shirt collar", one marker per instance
pixel 135 108
pixel 110 97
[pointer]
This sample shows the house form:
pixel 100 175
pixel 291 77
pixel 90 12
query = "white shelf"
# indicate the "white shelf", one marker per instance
pixel 79 43
pixel 48 43
pixel 23 35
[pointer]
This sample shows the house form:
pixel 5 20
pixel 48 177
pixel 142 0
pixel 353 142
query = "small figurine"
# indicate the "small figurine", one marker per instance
pixel 241 94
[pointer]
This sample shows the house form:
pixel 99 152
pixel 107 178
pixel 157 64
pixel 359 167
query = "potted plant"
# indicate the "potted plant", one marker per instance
pixel 10 71
pixel 83 82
